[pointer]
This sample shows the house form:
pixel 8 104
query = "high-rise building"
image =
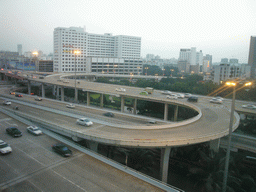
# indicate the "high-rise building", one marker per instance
pixel 252 56
pixel 66 40
pixel 233 61
pixel 224 61
pixel 209 58
pixel 19 48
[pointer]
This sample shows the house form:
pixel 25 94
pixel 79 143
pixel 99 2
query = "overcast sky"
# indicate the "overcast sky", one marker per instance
pixel 221 28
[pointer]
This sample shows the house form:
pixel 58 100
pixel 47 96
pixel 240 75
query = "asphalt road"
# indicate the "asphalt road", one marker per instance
pixel 33 166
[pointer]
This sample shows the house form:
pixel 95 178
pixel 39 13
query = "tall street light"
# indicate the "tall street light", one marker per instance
pixel 230 132
pixel 171 71
pixel 76 52
pixel 146 70
pixel 35 53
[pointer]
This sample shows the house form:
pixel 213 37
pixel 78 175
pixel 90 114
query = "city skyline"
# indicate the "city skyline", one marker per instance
pixel 221 29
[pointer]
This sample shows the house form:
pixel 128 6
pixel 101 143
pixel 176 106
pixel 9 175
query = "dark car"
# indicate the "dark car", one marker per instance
pixel 18 95
pixel 62 149
pixel 109 114
pixel 13 131
pixel 193 99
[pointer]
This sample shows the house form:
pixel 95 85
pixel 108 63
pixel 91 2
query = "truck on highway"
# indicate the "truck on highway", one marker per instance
pixel 150 90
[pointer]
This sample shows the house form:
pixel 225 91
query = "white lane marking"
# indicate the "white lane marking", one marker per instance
pixel 6 119
pixel 69 180
pixel 30 156
pixel 35 186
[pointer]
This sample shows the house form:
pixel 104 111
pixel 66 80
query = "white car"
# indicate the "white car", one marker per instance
pixel 249 106
pixel 172 96
pixel 121 89
pixel 214 100
pixel 187 95
pixel 34 130
pixel 38 99
pixel 4 147
pixel 70 106
pixel 218 97
pixel 84 121
pixel 7 102
pixel 181 96
pixel 166 92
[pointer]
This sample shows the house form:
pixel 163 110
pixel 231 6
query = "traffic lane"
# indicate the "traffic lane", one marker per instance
pixel 90 111
pixel 33 166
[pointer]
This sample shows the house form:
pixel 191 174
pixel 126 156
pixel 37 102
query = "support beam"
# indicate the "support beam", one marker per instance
pixel 122 104
pixel 215 145
pixel 29 87
pixel 101 100
pixel 88 98
pixel 54 90
pixel 58 91
pixel 135 106
pixel 164 164
pixel 175 118
pixel 76 95
pixel 93 145
pixel 166 111
pixel 43 90
pixel 62 93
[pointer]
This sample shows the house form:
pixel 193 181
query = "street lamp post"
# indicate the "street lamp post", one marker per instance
pixel 76 52
pixel 224 187
pixel 229 136
pixel 171 71
pixel 146 70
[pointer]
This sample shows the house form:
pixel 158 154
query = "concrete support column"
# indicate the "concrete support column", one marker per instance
pixel 58 91
pixel 43 90
pixel 101 100
pixel 15 81
pixel 88 98
pixel 76 95
pixel 135 106
pixel 166 111
pixel 53 89
pixel 164 163
pixel 92 145
pixel 175 118
pixel 122 104
pixel 215 145
pixel 62 93
pixel 29 87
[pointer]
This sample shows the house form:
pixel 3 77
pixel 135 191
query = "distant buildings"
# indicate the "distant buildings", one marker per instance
pixel 225 72
pixel 191 61
pixel 66 40
pixel 19 48
pixel 252 56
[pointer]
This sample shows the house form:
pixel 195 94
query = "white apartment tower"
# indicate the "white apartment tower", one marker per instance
pixel 19 47
pixel 66 40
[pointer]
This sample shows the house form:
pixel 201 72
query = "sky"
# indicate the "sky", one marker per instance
pixel 221 28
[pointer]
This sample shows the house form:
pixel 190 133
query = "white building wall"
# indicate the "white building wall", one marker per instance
pixel 193 56
pixel 66 40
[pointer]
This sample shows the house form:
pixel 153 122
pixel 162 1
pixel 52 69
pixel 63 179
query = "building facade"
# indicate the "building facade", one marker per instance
pixel 19 49
pixel 252 57
pixel 66 40
pixel 225 72
pixel 114 66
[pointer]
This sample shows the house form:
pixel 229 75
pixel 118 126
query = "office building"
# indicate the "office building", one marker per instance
pixel 19 48
pixel 193 60
pixel 224 61
pixel 252 56
pixel 233 61
pixel 225 72
pixel 66 40
pixel 114 66
pixel 44 65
